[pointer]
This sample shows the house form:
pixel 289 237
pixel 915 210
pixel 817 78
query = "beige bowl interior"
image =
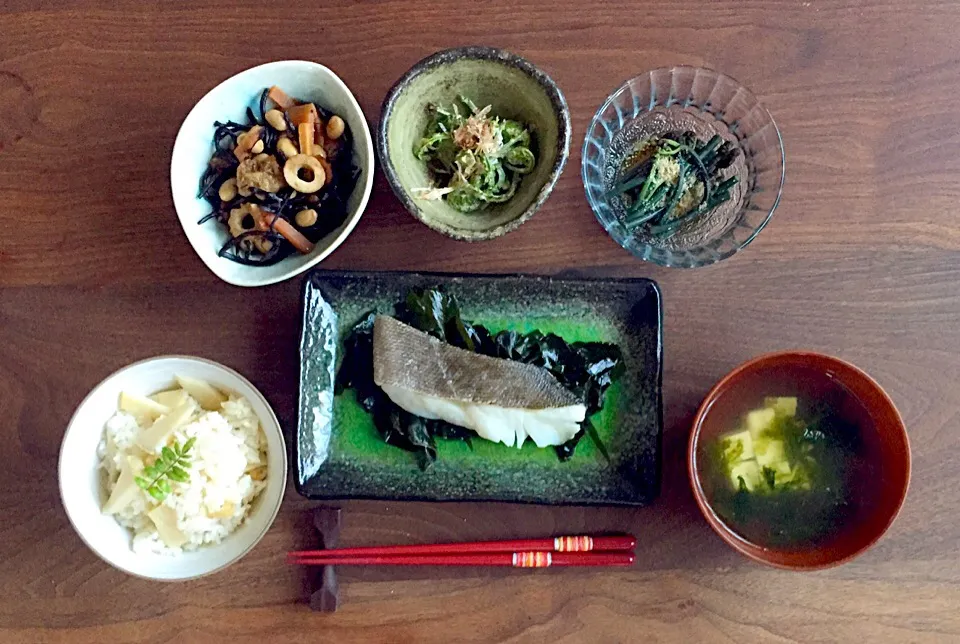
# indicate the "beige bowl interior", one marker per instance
pixel 512 94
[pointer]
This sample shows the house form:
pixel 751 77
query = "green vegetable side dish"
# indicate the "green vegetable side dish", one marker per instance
pixel 671 179
pixel 585 368
pixel 170 466
pixel 476 158
pixel 784 480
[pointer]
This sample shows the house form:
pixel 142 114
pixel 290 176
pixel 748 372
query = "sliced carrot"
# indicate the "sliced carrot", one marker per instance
pixel 291 234
pixel 305 131
pixel 327 170
pixel 265 220
pixel 280 97
pixel 319 132
pixel 303 114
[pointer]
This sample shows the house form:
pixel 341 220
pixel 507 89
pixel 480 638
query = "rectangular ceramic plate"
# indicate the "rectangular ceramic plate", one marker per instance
pixel 341 455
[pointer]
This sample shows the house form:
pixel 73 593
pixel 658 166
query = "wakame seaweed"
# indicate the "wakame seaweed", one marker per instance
pixel 585 368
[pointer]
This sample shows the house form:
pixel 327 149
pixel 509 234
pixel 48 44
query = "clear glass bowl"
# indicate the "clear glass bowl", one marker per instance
pixel 707 102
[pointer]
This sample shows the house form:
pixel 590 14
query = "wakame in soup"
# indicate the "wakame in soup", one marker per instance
pixel 790 471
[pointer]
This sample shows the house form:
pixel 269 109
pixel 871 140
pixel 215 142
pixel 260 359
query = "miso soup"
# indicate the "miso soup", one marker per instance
pixel 789 466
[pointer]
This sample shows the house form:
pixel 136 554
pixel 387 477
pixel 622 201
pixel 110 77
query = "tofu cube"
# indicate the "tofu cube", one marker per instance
pixel 785 406
pixel 759 421
pixel 770 454
pixel 737 447
pixel 749 471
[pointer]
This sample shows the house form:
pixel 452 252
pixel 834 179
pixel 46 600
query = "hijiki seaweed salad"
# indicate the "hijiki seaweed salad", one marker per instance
pixel 674 178
pixel 280 182
pixel 476 158
pixel 426 374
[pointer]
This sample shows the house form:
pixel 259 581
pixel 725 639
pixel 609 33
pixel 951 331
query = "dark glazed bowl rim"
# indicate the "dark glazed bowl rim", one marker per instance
pixel 500 56
pixel 801 560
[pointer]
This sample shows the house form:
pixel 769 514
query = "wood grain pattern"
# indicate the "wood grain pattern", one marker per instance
pixel 862 260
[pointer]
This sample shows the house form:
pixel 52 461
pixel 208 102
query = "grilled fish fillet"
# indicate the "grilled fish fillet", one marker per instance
pixel 503 401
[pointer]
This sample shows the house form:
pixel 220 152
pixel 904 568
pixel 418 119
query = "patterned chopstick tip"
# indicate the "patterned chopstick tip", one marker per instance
pixel 531 559
pixel 573 544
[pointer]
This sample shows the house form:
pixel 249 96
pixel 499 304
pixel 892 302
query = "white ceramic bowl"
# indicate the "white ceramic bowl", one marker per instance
pixel 228 101
pixel 83 495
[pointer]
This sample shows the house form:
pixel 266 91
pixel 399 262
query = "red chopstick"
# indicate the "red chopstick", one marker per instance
pixel 527 559
pixel 558 544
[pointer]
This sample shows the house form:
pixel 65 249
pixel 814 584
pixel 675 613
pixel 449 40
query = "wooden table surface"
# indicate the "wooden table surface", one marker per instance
pixel 861 260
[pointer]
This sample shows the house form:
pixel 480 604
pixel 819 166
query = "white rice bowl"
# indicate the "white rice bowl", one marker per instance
pixel 83 478
pixel 229 447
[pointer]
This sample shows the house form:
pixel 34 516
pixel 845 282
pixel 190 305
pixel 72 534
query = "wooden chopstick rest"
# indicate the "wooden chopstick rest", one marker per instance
pixel 325 597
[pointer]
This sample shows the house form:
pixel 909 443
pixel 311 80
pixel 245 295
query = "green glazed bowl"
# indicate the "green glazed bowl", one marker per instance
pixel 514 89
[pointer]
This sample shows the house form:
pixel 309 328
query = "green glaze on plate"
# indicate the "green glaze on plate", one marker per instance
pixel 514 89
pixel 341 455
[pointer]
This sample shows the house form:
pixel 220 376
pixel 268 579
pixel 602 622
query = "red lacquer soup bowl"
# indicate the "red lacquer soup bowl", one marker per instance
pixel 876 474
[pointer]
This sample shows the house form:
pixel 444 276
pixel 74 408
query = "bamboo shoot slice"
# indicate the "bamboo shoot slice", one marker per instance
pixel 156 437
pixel 208 397
pixel 165 518
pixel 225 512
pixel 171 398
pixel 126 489
pixel 141 406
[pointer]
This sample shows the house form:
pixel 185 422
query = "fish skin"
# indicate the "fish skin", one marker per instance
pixel 410 359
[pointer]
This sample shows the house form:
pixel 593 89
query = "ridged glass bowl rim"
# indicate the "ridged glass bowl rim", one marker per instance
pixel 595 200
